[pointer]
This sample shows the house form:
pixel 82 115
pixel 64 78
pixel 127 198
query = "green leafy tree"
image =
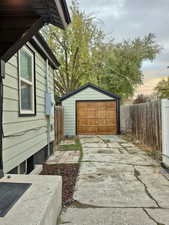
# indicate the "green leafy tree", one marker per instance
pixel 86 57
pixel 73 48
pixel 162 89
pixel 141 99
pixel 123 64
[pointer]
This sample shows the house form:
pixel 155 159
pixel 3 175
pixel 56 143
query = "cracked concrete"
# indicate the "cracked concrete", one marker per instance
pixel 118 184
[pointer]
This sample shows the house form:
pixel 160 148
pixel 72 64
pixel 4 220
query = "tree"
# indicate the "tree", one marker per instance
pixel 86 57
pixel 141 99
pixel 73 47
pixel 123 64
pixel 162 89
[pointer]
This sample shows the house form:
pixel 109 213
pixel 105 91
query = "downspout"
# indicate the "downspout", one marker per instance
pixel 47 99
pixel 2 75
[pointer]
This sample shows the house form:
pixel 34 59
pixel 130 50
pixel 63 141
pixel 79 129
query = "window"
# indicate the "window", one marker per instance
pixel 26 82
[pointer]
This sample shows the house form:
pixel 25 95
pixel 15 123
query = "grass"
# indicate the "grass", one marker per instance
pixel 73 147
pixel 69 148
pixel 77 141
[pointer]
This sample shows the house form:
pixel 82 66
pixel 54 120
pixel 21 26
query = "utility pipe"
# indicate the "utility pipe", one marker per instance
pixel 2 75
pixel 48 116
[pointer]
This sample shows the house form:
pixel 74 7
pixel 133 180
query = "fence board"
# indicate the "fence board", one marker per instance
pixel 143 121
pixel 59 124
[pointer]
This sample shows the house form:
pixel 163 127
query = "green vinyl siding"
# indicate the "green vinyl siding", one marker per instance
pixel 24 136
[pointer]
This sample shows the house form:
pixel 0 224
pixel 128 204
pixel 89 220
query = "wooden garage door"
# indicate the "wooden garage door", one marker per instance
pixel 96 117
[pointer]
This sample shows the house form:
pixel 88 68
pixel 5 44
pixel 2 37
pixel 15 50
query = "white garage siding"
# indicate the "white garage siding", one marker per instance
pixel 31 130
pixel 69 105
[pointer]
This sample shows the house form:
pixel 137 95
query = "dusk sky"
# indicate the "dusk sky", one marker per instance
pixel 127 19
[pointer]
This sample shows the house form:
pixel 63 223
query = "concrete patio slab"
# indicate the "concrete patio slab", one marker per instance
pixel 113 145
pixel 102 150
pixel 91 140
pixel 158 185
pixel 127 145
pixel 75 216
pixel 118 184
pixel 119 158
pixel 95 145
pixel 159 215
pixel 135 150
pixel 90 168
pixel 112 138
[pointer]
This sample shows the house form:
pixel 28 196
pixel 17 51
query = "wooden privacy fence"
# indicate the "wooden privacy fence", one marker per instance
pixel 59 124
pixel 143 121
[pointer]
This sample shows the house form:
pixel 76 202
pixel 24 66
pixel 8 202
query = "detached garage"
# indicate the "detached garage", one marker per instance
pixel 91 110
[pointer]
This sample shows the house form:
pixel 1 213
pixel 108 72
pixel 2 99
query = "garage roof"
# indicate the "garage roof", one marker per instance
pixel 20 20
pixel 91 86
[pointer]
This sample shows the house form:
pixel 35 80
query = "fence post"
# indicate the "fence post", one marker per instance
pixel 165 131
pixel 58 124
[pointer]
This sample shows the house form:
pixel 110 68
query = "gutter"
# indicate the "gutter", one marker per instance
pixel 2 76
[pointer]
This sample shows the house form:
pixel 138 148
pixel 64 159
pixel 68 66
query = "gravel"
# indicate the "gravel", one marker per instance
pixel 69 173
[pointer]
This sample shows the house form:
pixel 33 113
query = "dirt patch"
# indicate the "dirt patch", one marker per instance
pixel 68 170
pixel 69 173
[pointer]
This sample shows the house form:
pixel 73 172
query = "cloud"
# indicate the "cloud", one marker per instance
pixel 128 19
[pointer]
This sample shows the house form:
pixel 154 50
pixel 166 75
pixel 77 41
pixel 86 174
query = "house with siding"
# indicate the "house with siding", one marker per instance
pixel 27 82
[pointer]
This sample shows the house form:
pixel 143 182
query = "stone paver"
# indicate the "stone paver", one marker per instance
pixel 118 184
pixel 64 157
pixel 67 142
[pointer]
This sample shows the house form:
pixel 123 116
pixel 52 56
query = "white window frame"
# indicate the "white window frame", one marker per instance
pixel 30 83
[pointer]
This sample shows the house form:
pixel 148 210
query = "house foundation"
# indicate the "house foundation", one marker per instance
pixel 39 205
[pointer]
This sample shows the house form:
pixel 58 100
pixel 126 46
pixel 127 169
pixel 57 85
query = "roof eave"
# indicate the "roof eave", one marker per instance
pixel 61 7
pixel 53 12
pixel 91 86
pixel 25 37
pixel 39 42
